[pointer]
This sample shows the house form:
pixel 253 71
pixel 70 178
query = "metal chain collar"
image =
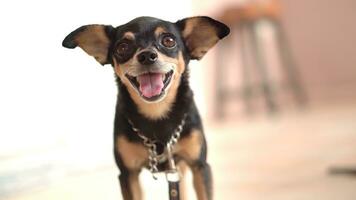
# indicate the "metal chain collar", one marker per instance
pixel 153 158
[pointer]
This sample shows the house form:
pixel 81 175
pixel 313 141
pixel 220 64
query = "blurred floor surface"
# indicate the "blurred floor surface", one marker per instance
pixel 284 157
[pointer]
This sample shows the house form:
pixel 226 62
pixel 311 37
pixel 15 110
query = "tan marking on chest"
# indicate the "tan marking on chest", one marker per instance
pixel 189 147
pixel 134 155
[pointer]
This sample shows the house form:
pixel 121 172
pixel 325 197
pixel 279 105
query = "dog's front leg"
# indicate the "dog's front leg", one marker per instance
pixel 130 158
pixel 202 180
pixel 193 150
pixel 130 185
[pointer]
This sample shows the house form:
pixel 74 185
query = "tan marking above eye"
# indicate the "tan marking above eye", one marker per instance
pixel 129 36
pixel 159 30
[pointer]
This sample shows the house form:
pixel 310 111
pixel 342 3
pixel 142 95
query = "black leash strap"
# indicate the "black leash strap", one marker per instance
pixel 172 176
pixel 173 190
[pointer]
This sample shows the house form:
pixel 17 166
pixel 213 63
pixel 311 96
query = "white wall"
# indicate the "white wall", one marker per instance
pixel 55 96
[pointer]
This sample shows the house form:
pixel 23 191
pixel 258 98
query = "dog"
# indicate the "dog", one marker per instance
pixel 150 58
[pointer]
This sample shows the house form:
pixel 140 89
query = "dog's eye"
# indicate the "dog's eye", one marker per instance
pixel 122 48
pixel 168 41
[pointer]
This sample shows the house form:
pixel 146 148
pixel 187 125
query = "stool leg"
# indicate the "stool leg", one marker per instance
pixel 288 63
pixel 220 92
pixel 245 66
pixel 261 66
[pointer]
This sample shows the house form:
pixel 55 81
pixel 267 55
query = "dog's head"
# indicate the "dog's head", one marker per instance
pixel 149 55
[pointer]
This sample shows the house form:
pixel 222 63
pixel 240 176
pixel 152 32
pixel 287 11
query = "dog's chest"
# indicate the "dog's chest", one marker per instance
pixel 135 155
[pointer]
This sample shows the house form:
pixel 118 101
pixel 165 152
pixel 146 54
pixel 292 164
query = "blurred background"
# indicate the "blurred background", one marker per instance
pixel 277 98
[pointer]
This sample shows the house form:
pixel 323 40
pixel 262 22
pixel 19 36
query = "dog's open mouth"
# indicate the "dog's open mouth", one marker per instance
pixel 151 86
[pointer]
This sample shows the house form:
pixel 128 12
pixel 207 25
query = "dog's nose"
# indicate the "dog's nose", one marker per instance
pixel 147 57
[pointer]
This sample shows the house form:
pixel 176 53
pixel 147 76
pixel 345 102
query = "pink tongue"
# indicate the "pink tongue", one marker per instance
pixel 151 84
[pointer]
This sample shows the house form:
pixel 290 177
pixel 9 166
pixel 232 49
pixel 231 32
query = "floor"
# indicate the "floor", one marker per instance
pixel 284 157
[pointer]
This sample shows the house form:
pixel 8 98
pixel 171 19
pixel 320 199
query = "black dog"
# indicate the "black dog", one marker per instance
pixel 155 103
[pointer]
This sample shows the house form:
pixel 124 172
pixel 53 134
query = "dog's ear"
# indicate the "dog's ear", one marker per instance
pixel 201 33
pixel 93 39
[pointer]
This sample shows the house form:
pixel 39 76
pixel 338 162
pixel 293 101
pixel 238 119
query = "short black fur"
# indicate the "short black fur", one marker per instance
pixel 183 107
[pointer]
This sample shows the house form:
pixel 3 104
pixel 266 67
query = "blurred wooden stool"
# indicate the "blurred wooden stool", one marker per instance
pixel 247 18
